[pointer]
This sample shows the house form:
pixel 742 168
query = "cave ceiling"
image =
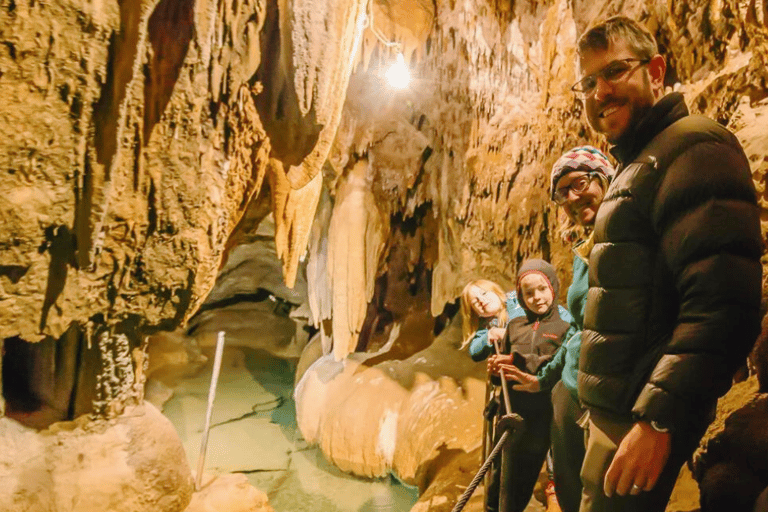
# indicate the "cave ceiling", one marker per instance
pixel 144 138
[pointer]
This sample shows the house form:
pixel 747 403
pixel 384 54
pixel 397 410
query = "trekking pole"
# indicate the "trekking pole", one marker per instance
pixel 209 411
pixel 511 424
pixel 504 389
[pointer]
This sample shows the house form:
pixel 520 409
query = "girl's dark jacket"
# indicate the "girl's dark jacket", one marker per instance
pixel 675 274
pixel 533 339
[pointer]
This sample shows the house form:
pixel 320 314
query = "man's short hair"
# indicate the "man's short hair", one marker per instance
pixel 618 28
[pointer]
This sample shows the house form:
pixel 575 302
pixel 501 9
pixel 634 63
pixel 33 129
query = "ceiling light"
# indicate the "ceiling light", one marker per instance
pixel 398 75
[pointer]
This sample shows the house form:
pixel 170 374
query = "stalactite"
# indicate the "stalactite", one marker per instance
pixel 294 210
pixel 116 382
pixel 320 292
pixel 355 243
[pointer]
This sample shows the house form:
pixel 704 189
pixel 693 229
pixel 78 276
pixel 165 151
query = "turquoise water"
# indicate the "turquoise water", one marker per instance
pixel 254 432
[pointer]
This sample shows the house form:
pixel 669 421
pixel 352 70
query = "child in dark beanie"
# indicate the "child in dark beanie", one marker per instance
pixel 530 342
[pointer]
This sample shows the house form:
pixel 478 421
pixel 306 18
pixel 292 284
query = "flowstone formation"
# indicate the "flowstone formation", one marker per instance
pixel 372 415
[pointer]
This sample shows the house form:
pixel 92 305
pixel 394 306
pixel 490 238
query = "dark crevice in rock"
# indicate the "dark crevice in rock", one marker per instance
pixel 123 48
pixel 377 317
pixel 170 30
pixel 546 249
pixel 83 206
pixel 137 181
pixel 151 209
pixel 282 307
pixel 60 244
pixel 11 49
pixel 13 272
pixel 293 135
pixel 52 380
pixel 444 319
pixel 183 298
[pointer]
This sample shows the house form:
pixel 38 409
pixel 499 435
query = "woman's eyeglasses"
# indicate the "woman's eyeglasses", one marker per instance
pixel 578 186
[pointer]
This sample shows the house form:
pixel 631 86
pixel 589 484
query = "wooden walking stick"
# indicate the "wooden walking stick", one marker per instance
pixel 209 411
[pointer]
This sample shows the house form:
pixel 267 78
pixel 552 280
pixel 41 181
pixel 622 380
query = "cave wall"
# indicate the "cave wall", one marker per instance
pixel 135 134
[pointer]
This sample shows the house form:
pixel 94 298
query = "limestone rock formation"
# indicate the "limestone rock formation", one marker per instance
pixel 134 463
pixel 133 149
pixel 135 135
pixel 251 303
pixel 144 140
pixel 127 173
pixel 730 465
pixel 374 415
pixel 229 493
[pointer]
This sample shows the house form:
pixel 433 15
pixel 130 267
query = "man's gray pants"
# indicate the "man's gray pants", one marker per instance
pixel 602 437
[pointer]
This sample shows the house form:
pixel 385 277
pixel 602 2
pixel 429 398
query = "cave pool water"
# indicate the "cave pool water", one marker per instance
pixel 254 432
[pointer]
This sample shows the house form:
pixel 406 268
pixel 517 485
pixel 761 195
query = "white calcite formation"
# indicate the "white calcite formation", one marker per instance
pixel 395 415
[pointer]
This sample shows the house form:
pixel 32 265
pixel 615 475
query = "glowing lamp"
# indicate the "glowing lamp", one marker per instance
pixel 398 75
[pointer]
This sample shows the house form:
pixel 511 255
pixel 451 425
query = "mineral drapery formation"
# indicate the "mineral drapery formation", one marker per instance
pixel 136 133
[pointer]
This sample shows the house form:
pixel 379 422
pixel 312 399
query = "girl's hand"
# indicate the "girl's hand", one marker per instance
pixel 528 382
pixel 495 361
pixel 495 334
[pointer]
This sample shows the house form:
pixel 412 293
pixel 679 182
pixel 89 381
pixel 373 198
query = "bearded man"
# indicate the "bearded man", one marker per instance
pixel 673 306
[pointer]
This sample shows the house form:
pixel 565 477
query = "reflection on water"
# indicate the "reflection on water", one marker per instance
pixel 255 433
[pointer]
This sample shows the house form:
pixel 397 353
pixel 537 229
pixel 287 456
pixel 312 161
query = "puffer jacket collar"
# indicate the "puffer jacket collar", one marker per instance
pixel 666 111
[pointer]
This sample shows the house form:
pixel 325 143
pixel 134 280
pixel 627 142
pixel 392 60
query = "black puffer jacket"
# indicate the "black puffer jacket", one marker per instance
pixel 675 274
pixel 533 339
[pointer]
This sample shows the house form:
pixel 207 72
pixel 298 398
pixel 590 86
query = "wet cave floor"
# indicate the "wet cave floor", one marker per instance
pixel 253 431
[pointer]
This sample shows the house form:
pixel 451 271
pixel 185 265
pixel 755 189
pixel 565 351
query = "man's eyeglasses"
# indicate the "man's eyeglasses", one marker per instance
pixel 578 186
pixel 611 73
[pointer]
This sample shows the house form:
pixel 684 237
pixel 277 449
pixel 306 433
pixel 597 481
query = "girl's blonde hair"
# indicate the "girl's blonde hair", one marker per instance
pixel 569 231
pixel 470 319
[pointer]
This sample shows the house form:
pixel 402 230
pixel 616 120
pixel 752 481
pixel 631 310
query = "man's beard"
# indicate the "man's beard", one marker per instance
pixel 636 116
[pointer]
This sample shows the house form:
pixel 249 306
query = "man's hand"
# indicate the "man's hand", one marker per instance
pixel 494 362
pixel 527 381
pixel 638 462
